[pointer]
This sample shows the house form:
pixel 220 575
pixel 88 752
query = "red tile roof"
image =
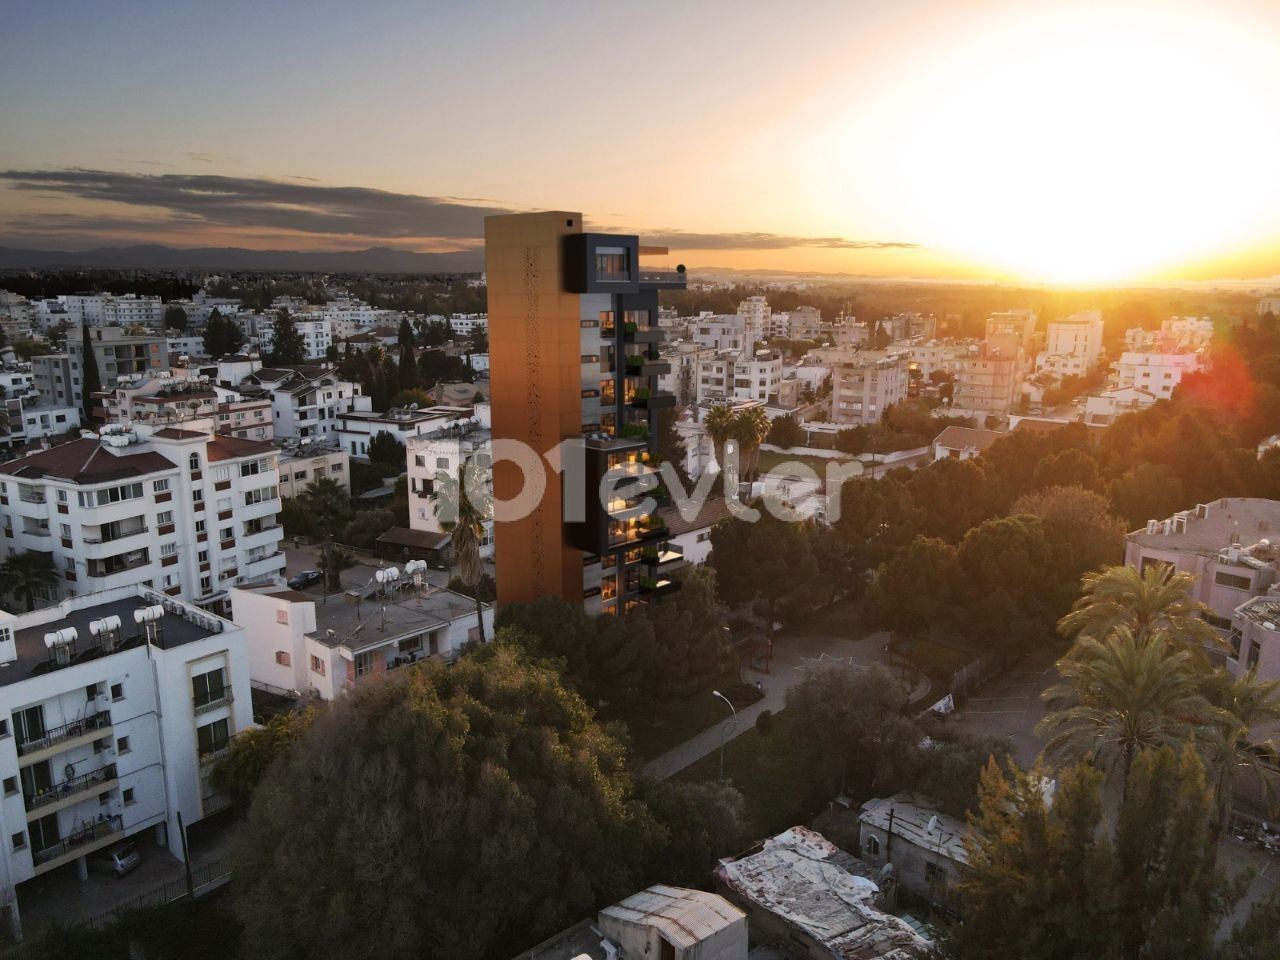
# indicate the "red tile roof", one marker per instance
pixel 86 461
pixel 232 448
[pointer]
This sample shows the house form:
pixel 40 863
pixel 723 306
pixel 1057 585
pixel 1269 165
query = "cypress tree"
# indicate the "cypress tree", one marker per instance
pixel 90 380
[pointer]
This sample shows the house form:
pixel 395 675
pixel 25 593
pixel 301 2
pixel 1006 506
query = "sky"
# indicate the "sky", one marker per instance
pixel 1058 142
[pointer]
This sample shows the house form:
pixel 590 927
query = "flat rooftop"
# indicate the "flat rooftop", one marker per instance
pixel 1242 520
pixel 34 657
pixel 382 619
pixel 1262 610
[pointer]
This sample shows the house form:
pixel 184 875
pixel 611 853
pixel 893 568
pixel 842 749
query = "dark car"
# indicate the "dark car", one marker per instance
pixel 304 579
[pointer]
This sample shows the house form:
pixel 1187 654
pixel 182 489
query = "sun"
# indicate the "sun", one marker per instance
pixel 1087 143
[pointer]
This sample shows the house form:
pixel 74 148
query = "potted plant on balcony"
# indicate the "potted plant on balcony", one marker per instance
pixel 641 395
pixel 635 362
pixel 629 326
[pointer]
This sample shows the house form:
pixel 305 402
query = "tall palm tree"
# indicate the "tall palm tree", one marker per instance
pixel 327 501
pixel 462 504
pixel 750 427
pixel 719 426
pixel 1155 601
pixel 1123 694
pixel 25 573
pixel 1246 703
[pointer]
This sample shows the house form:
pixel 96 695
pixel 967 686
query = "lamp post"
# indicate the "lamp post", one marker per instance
pixel 724 727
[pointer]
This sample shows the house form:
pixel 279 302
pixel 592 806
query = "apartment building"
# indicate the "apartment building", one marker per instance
pixel 468 324
pixel 306 401
pixel 244 417
pixel 985 384
pixel 725 332
pixel 357 428
pixel 316 333
pixel 184 511
pixel 1227 546
pixel 573 353
pixel 299 647
pixel 101 309
pixel 804 323
pixel 1269 305
pixel 758 315
pixel 866 385
pixel 442 452
pixel 740 375
pixel 1187 333
pixel 58 377
pixel 303 461
pixel 31 419
pixel 1073 345
pixel 1157 373
pixel 1011 333
pixel 114 707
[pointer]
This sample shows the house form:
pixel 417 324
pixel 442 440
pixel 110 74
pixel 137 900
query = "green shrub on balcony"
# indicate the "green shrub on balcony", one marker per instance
pixel 634 431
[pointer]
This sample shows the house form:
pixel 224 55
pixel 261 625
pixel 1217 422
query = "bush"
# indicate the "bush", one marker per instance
pixel 764 723
pixel 366 526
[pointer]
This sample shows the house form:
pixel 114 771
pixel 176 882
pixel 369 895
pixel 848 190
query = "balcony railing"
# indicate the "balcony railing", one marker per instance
pixel 213 756
pixel 212 700
pixel 100 538
pixel 69 788
pixel 100 572
pixel 68 731
pixel 32 497
pixel 104 827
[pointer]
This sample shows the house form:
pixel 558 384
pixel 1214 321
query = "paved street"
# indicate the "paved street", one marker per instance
pixel 791 656
pixel 1009 706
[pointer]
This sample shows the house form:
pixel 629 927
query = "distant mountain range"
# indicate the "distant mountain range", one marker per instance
pixel 158 257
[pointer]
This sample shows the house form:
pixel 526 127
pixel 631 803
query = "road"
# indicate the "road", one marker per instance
pixel 792 655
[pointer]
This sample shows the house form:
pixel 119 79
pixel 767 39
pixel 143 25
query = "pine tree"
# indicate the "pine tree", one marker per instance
pixel 91 381
pixel 222 337
pixel 288 346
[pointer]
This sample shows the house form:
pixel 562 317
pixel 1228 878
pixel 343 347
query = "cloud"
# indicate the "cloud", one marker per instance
pixel 195 205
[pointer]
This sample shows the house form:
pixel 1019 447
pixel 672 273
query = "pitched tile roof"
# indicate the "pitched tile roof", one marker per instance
pixel 86 461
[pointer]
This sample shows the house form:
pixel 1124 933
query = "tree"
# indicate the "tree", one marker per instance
pixel 1246 704
pixel 28 573
pixel 254 750
pixel 1120 695
pixel 175 318
pixel 1157 600
pixel 750 427
pixel 852 440
pixel 91 381
pixel 768 560
pixel 385 449
pixel 703 821
pixel 785 432
pixel 1008 568
pixel 469 811
pixel 408 365
pixel 1068 468
pixel 463 504
pixel 718 422
pixel 917 589
pixel 671 447
pixel 1084 534
pixel 287 345
pixel 222 337
pixel 333 561
pixel 329 506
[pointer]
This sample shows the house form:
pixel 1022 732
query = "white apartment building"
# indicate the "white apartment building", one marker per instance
pixel 466 324
pixel 866 385
pixel 1073 345
pixel 17 307
pixel 724 332
pixel 1156 373
pixel 932 355
pixel 985 384
pixel 30 419
pixel 740 375
pixel 758 314
pixel 99 309
pixel 187 512
pixel 305 401
pixel 111 719
pixel 305 460
pixel 442 453
pixel 356 429
pixel 681 379
pixel 316 334
pixel 1187 333
pixel 299 647
pixel 804 323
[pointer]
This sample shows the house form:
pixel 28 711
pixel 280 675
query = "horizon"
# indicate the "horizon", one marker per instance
pixel 1039 143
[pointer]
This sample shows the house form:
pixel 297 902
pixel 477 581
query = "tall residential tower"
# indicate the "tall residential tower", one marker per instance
pixel 573 352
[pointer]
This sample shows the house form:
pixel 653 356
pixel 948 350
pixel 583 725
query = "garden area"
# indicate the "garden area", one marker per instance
pixel 654 732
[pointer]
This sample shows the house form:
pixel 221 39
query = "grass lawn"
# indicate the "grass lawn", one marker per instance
pixel 670 724
pixel 767 771
pixel 841 619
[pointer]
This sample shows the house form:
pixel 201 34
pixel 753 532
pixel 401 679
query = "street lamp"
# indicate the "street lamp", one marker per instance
pixel 724 727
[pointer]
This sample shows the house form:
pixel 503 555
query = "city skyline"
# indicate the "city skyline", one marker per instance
pixel 1044 142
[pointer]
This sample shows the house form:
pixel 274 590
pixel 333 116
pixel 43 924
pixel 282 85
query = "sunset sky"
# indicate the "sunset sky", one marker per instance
pixel 1060 142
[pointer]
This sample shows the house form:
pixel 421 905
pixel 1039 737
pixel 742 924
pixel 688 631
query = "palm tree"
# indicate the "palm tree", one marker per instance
pixel 1123 694
pixel 333 560
pixel 1246 703
pixel 25 573
pixel 329 505
pixel 719 426
pixel 750 427
pixel 462 504
pixel 1155 601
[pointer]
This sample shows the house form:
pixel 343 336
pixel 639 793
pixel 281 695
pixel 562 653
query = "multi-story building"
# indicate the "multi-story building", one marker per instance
pixel 758 315
pixel 985 384
pixel 1156 373
pixel 1187 333
pixel 1011 333
pixel 305 460
pixel 59 377
pixel 804 323
pixel 725 332
pixel 100 309
pixel 573 351
pixel 682 380
pixel 316 333
pixel 740 375
pixel 305 401
pixel 30 419
pixel 1269 305
pixel 357 428
pixel 1227 546
pixel 467 324
pixel 1073 345
pixel 248 418
pixel 300 648
pixel 438 453
pixel 866 385
pixel 184 511
pixel 114 706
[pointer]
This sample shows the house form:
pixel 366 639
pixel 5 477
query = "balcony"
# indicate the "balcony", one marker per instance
pixel 264 565
pixel 633 333
pixel 32 497
pixel 101 569
pixel 662 279
pixel 212 700
pixel 645 399
pixel 93 836
pixel 661 558
pixel 69 735
pixel 68 792
pixel 213 756
pixel 111 536
pixel 658 586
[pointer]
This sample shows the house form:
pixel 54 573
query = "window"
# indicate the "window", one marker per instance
pixel 4 728
pixel 193 462
pixel 419 460
pixel 261 495
pixel 213 737
pixel 1255 651
pixel 202 556
pixel 197 495
pixel 317 665
pixel 1231 580
pixel 122 745
pixel 160 486
pixel 226 533
pixel 934 873
pixel 104 799
pixel 19 840
pixel 127 796
pixel 207 688
pixel 10 786
pixel 168 549
pixel 335 468
pixel 117 691
pixel 164 516
pixel 62 496
pixel 283 658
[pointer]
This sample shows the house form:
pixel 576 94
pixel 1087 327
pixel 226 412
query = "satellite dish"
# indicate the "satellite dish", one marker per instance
pixel 932 826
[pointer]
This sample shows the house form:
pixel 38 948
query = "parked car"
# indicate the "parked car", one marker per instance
pixel 116 860
pixel 305 579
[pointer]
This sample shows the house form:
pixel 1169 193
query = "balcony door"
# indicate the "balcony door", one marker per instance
pixel 29 724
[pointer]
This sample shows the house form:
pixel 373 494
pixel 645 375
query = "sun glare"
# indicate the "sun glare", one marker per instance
pixel 1085 145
